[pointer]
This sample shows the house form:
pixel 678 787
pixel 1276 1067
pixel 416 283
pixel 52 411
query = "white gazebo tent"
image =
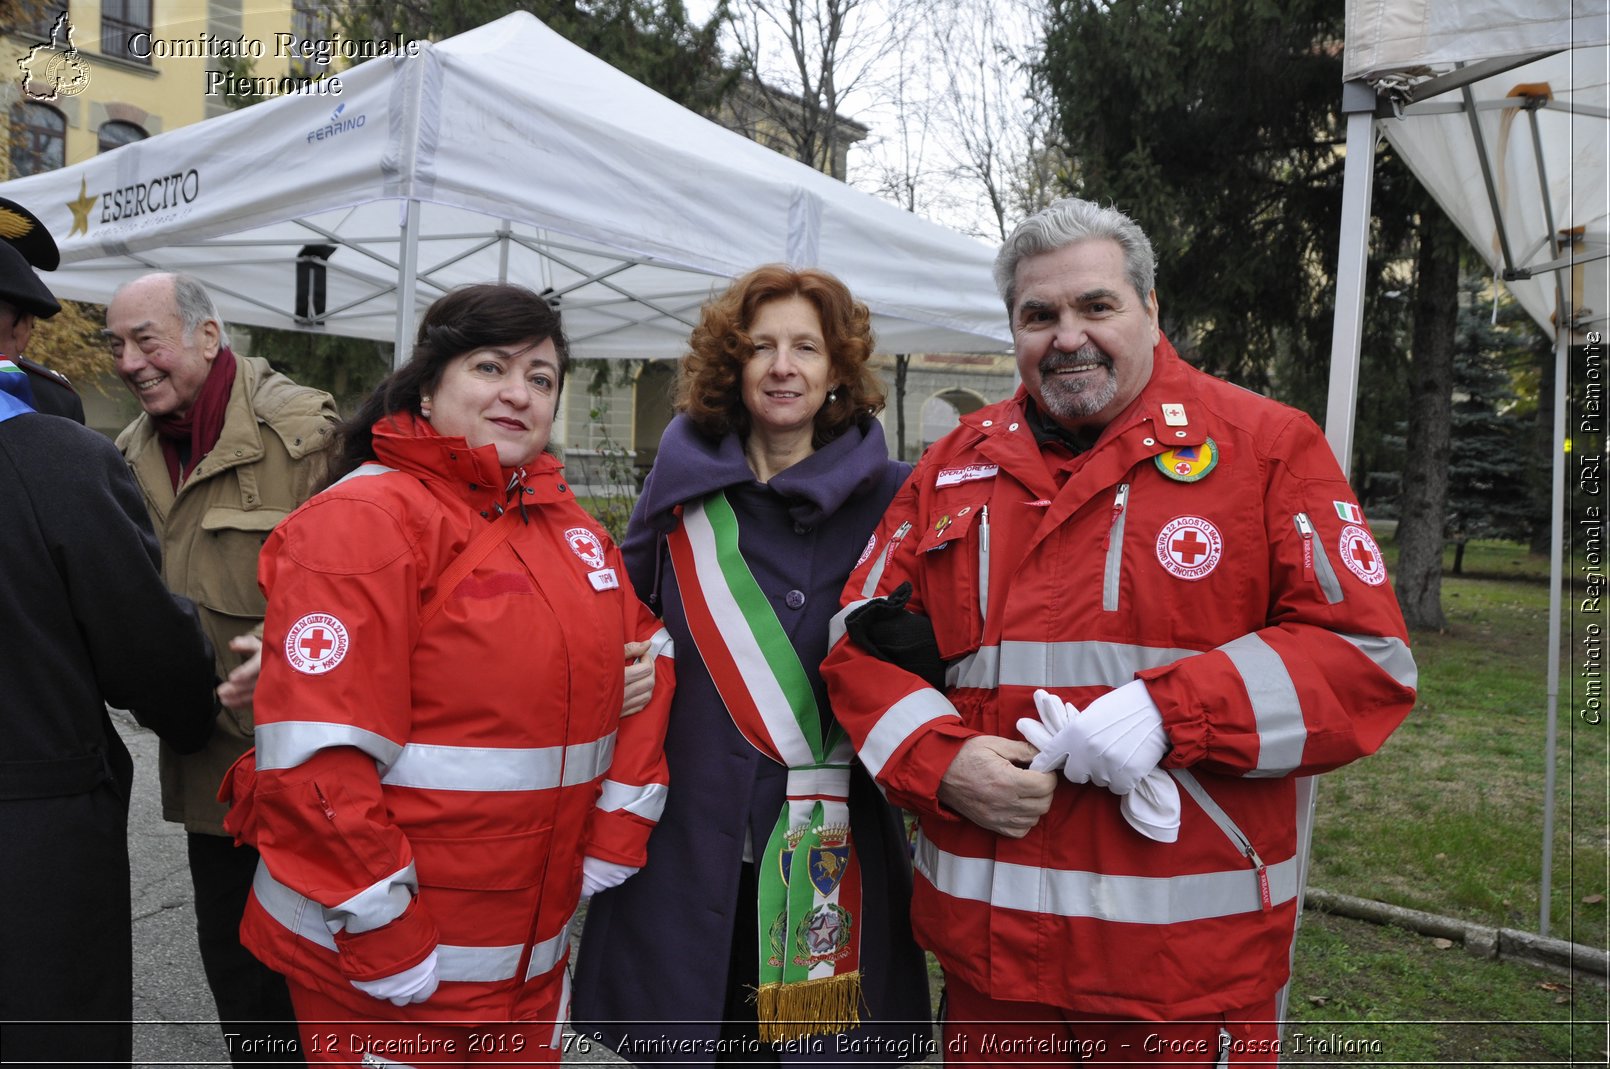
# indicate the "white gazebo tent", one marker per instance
pixel 502 153
pixel 1500 109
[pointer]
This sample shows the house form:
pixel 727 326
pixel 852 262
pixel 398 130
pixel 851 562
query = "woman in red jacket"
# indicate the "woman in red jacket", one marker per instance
pixel 440 747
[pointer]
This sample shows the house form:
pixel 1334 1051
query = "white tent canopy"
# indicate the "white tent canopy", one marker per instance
pixel 502 153
pixel 1512 148
pixel 1500 109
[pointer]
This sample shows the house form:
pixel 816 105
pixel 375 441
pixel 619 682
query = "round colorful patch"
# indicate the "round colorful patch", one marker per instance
pixel 1361 555
pixel 316 643
pixel 1189 547
pixel 584 544
pixel 1189 463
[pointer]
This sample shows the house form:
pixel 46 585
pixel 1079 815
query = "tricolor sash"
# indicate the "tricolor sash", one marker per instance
pixel 809 875
pixel 14 384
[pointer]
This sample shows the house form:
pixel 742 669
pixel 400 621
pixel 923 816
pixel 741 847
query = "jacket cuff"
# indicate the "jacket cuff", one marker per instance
pixel 922 766
pixel 619 836
pixel 1185 720
pixel 388 950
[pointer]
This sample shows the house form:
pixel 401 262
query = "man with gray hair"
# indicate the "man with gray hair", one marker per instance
pixel 1159 585
pixel 225 448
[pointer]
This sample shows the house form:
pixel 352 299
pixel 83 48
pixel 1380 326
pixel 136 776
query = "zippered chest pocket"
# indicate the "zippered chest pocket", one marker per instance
pixel 1316 563
pixel 954 555
pixel 1112 571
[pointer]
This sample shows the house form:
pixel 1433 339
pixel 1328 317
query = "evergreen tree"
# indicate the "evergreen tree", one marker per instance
pixel 1494 469
pixel 345 368
pixel 1491 459
pixel 1213 123
pixel 1216 125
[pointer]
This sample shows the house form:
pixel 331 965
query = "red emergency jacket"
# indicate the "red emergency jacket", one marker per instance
pixel 1269 654
pixel 435 788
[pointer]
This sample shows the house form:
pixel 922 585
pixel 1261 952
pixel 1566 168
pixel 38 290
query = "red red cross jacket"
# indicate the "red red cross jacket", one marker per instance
pixel 1207 544
pixel 435 787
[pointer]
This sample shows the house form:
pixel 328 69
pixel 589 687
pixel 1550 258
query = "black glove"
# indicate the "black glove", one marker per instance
pixel 887 630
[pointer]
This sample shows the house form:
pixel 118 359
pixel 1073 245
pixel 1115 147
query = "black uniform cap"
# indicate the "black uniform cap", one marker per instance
pixel 26 245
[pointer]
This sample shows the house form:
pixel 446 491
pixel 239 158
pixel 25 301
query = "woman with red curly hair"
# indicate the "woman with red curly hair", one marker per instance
pixel 777 882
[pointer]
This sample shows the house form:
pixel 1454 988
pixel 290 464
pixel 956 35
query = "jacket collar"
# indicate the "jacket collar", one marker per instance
pixel 1166 414
pixel 408 443
pixel 691 465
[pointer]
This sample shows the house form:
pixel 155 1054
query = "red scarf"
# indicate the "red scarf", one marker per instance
pixel 199 427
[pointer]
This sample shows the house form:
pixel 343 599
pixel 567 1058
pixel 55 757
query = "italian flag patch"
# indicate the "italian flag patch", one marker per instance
pixel 1349 511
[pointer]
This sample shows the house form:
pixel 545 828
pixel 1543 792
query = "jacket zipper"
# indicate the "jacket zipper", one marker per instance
pixel 324 804
pixel 1194 788
pixel 1316 564
pixel 1113 545
pixel 983 563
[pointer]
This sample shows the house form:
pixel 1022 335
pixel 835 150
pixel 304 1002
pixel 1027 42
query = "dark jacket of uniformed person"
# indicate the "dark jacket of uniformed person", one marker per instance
pixel 85 620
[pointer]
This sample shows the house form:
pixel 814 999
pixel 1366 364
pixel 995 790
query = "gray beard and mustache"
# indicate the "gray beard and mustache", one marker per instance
pixel 1079 398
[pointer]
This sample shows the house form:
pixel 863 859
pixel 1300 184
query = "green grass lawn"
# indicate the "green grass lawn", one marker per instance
pixel 1448 818
pixel 1397 998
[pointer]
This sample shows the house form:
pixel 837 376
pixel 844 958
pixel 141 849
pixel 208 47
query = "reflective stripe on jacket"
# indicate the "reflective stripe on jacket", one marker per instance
pixel 436 786
pixel 1267 654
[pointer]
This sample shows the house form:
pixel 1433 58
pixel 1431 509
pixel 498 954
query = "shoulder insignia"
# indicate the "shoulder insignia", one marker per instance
pixel 1189 463
pixel 1361 555
pixel 49 373
pixel 316 643
pixel 1349 512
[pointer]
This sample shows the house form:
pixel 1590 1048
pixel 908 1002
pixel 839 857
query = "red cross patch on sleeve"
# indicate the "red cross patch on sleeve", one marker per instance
pixel 1362 556
pixel 316 643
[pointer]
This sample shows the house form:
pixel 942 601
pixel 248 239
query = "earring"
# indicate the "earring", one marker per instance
pixel 424 407
pixel 832 395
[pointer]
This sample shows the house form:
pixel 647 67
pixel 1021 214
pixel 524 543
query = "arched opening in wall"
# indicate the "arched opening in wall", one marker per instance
pixel 652 411
pixel 116 134
pixel 942 411
pixel 38 138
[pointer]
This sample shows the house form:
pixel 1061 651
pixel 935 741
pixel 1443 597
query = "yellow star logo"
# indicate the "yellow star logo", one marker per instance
pixel 81 207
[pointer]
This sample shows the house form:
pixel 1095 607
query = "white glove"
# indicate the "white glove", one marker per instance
pixel 600 875
pixel 1045 733
pixel 1153 807
pixel 1116 740
pixel 411 985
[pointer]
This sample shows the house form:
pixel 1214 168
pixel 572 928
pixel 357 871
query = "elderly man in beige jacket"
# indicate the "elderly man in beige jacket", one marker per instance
pixel 224 449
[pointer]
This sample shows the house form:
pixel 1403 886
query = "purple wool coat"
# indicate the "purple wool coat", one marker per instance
pixel 652 976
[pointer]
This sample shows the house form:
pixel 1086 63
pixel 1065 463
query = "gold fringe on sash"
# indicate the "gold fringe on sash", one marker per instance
pixel 808 1007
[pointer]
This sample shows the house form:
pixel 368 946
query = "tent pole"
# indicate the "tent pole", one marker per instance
pixel 1352 261
pixel 1480 144
pixel 407 279
pixel 1562 349
pixel 1564 316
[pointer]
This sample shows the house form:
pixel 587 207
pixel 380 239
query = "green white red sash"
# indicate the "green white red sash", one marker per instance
pixel 809 875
